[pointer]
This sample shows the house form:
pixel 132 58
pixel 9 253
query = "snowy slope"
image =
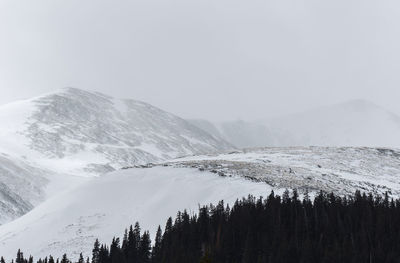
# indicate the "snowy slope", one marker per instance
pixel 103 207
pixel 76 131
pixel 47 139
pixel 20 187
pixel 23 186
pixel 342 170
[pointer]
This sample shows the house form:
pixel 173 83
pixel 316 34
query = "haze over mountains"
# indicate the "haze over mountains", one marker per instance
pixel 353 123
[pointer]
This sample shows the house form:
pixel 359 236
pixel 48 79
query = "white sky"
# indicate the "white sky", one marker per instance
pixel 215 59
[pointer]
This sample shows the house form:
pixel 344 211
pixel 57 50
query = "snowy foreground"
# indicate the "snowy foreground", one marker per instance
pixel 104 206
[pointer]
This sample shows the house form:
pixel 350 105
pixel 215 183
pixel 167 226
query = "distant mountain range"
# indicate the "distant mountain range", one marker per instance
pixel 354 123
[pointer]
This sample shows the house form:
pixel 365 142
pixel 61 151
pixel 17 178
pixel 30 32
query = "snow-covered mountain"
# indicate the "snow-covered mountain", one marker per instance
pixel 104 206
pixel 73 132
pixel 80 131
pixel 353 123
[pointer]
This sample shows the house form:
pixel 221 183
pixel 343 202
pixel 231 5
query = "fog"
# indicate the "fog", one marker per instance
pixel 214 59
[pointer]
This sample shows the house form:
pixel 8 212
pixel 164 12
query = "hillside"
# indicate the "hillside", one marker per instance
pixel 71 132
pixel 342 170
pixel 77 131
pixel 24 185
pixel 105 205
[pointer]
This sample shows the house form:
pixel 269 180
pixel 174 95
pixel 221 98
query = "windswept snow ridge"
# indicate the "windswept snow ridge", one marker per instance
pixel 342 170
pixel 89 132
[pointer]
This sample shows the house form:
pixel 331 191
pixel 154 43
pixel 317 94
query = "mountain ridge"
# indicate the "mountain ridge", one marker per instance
pixel 74 132
pixel 72 121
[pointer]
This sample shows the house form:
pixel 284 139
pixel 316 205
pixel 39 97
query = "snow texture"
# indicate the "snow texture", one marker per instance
pixel 342 170
pixel 73 132
pixel 103 207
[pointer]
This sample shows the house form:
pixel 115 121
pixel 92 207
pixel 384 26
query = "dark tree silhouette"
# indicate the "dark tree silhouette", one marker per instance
pixel 358 228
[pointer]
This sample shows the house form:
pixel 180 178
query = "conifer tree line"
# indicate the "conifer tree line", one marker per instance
pixel 357 228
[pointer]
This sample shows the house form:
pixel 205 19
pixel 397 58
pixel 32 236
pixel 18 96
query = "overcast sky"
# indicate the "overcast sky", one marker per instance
pixel 215 59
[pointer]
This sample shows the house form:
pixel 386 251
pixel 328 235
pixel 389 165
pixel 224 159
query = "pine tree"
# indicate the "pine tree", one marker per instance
pixel 96 252
pixel 116 254
pixel 64 259
pixel 81 260
pixel 20 257
pixel 286 197
pixel 168 226
pixel 145 248
pixel 136 235
pixel 103 254
pixel 156 251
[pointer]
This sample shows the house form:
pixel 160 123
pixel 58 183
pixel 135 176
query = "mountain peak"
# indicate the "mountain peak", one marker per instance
pixel 80 91
pixel 111 132
pixel 72 92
